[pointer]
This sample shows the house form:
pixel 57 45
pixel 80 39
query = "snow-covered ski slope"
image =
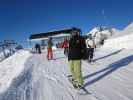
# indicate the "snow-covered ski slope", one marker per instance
pixel 26 76
pixel 109 78
pixel 10 69
pixel 125 41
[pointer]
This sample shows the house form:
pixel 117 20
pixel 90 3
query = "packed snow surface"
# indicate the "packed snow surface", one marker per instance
pixel 11 68
pixel 109 78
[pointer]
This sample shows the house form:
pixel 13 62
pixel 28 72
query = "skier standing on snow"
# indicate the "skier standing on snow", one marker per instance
pixel 65 46
pixel 49 49
pixel 38 48
pixel 74 58
pixel 90 45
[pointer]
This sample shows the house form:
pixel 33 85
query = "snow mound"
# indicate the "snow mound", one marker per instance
pixel 102 30
pixel 120 42
pixel 102 33
pixel 127 31
pixel 11 67
pixel 129 28
pixel 116 38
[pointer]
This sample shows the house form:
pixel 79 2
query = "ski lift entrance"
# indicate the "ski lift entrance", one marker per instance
pixel 57 36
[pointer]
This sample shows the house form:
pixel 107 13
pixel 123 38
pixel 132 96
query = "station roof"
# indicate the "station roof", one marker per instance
pixel 54 34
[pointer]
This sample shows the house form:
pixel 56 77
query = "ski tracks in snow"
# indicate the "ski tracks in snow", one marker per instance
pixel 49 77
pixel 107 79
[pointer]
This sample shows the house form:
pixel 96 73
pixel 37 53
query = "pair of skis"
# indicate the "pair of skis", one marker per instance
pixel 82 90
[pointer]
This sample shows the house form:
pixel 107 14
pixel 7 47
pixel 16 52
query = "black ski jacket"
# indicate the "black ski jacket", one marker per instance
pixel 75 48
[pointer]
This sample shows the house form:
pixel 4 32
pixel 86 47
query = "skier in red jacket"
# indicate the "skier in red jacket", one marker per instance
pixel 65 46
pixel 49 49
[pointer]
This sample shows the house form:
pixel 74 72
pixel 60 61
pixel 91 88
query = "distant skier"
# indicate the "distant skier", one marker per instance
pixel 90 45
pixel 65 46
pixel 38 48
pixel 74 58
pixel 49 49
pixel 102 42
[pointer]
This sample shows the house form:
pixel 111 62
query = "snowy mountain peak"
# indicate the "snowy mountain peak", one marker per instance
pixel 127 31
pixel 129 28
pixel 106 31
pixel 99 29
pixel 103 33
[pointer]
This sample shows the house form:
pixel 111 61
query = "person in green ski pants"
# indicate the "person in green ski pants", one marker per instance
pixel 74 58
pixel 75 68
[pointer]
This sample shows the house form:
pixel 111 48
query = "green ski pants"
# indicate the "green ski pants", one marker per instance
pixel 75 68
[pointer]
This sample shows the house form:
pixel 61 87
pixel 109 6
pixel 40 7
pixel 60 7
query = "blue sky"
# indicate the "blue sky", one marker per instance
pixel 20 18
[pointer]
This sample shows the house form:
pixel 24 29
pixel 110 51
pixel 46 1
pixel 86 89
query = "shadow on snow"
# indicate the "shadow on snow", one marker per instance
pixel 108 70
pixel 113 53
pixel 59 58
